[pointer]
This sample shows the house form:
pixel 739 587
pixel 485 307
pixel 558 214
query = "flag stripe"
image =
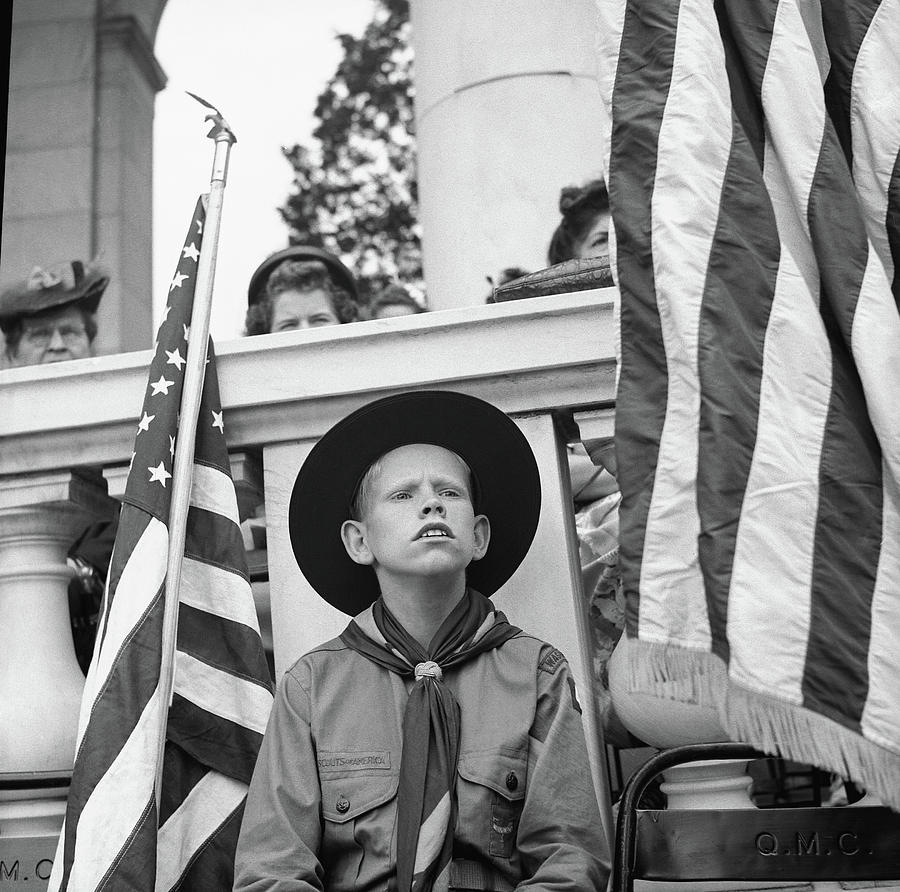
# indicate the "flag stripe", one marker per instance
pixel 776 534
pixel 215 540
pixel 683 230
pixel 875 130
pixel 183 773
pixel 881 716
pixel 737 301
pixel 213 490
pixel 845 26
pixel 132 525
pixel 777 530
pixel 118 802
pixel 745 62
pixel 243 702
pixel 210 867
pixel 217 590
pixel 225 746
pixel 892 221
pixel 848 527
pixel 127 696
pixel 143 578
pixel 208 806
pixel 642 80
pixel 212 638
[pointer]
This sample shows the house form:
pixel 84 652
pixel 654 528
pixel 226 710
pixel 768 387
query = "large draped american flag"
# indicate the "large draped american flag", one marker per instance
pixel 755 192
pixel 113 836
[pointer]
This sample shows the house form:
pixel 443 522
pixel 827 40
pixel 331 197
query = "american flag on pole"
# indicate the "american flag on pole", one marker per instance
pixel 113 836
pixel 754 179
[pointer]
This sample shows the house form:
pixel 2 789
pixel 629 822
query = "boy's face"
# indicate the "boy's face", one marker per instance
pixel 418 520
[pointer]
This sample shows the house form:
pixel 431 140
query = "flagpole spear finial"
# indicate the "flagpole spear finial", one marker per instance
pixel 194 372
pixel 223 136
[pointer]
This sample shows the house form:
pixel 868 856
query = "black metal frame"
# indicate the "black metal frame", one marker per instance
pixel 860 843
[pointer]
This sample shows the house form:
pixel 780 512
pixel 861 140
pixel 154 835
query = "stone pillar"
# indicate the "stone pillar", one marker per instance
pixel 48 194
pixel 128 79
pixel 79 151
pixel 508 111
pixel 40 680
pixel 40 517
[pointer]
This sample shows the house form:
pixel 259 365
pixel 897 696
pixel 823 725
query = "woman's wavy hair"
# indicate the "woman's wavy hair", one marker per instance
pixel 298 275
pixel 579 206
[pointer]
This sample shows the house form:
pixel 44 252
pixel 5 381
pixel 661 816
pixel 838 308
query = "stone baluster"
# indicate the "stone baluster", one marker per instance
pixel 40 680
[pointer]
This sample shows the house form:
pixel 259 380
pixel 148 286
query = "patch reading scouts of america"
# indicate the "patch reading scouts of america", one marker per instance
pixel 354 761
pixel 552 661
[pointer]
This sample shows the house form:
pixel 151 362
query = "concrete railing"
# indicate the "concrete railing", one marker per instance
pixel 280 393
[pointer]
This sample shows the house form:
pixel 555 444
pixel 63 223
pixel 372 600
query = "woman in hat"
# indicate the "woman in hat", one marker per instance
pixel 433 745
pixel 51 315
pixel 300 287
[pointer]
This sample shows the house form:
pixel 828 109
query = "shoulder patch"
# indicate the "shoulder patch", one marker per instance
pixel 551 662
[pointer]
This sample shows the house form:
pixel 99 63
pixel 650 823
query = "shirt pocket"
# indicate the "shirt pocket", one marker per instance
pixel 359 812
pixel 491 793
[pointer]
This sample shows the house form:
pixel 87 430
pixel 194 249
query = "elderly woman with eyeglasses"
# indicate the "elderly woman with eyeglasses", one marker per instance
pixel 51 315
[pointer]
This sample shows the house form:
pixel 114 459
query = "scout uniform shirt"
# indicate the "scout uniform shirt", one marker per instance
pixel 322 814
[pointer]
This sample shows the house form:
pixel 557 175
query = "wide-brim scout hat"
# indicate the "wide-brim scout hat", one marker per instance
pixel 507 487
pixel 339 273
pixel 50 289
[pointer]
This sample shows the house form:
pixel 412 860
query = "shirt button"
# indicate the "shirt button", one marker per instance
pixel 511 781
pixel 343 805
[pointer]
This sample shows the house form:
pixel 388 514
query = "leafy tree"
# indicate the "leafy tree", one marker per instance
pixel 354 191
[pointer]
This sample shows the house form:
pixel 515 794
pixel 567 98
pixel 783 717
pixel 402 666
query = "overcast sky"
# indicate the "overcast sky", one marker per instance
pixel 262 64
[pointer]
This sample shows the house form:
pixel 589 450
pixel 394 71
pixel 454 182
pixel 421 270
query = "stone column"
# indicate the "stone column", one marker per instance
pixel 47 200
pixel 128 79
pixel 40 680
pixel 508 111
pixel 40 517
pixel 79 158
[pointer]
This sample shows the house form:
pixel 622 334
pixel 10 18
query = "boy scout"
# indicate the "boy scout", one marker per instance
pixel 432 745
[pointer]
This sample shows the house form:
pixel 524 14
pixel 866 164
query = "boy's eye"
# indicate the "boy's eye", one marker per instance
pixel 400 496
pixel 450 493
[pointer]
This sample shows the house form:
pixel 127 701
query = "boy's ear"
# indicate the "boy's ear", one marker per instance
pixel 482 537
pixel 353 535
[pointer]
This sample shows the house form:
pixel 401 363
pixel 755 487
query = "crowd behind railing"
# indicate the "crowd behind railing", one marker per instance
pixel 51 317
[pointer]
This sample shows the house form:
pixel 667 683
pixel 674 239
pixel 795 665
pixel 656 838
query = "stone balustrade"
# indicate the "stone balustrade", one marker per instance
pixel 280 393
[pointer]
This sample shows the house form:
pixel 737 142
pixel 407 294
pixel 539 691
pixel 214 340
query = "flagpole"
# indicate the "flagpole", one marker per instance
pixel 194 371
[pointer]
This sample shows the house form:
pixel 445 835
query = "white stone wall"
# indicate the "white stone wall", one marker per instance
pixel 48 195
pixel 508 111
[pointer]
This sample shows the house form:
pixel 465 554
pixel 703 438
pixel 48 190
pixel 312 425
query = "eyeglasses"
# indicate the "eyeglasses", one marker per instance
pixel 41 335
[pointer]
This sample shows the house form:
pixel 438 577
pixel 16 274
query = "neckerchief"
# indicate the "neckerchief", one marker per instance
pixel 426 799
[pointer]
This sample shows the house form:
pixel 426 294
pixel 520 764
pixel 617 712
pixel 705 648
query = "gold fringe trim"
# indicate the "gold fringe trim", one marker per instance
pixel 762 720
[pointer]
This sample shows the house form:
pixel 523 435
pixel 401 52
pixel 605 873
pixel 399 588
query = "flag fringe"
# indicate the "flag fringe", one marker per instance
pixel 789 730
pixel 675 673
pixel 798 733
